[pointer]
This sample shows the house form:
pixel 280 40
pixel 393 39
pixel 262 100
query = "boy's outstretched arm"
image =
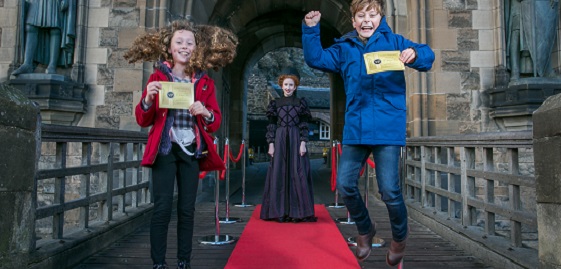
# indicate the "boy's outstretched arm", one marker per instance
pixel 314 54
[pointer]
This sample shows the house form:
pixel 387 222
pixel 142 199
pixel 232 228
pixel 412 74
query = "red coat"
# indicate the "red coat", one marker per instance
pixel 156 116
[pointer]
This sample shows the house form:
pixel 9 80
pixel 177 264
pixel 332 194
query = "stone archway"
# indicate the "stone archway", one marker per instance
pixel 263 27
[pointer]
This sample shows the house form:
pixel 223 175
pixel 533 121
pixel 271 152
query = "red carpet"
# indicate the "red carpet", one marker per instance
pixel 271 245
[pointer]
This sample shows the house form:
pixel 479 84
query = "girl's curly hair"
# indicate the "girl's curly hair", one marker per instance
pixel 216 46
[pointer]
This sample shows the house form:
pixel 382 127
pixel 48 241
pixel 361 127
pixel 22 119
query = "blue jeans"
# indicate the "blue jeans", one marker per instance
pixel 386 159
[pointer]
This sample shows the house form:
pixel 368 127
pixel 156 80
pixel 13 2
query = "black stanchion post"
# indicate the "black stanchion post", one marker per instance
pixel 217 238
pixel 228 219
pixel 243 204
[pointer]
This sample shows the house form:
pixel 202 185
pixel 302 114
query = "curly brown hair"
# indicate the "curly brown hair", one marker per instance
pixel 293 77
pixel 216 46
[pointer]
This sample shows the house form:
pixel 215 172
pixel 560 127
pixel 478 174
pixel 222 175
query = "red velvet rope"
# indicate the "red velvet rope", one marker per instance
pixel 237 159
pixel 226 153
pixel 225 159
pixel 333 168
pixel 371 163
pixel 362 170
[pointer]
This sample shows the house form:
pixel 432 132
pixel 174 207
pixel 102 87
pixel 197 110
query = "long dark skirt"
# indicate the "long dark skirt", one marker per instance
pixel 288 187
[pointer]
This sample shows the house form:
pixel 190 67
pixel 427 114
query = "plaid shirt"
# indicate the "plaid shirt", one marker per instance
pixel 182 117
pixel 182 120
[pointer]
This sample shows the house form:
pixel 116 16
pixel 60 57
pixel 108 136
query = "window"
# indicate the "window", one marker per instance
pixel 323 131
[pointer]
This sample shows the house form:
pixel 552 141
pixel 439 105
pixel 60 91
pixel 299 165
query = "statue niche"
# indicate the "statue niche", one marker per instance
pixel 530 35
pixel 49 30
pixel 531 31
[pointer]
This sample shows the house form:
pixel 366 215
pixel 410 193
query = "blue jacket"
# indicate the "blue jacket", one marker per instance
pixel 375 108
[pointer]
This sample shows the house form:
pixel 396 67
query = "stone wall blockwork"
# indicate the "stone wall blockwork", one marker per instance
pixel 547 156
pixel 20 131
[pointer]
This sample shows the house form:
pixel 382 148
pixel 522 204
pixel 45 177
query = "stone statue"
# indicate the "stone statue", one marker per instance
pixel 531 31
pixel 49 34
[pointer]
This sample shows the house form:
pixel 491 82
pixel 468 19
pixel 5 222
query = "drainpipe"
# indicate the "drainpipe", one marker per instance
pixel 391 14
pixel 413 11
pixel 78 73
pixel 423 86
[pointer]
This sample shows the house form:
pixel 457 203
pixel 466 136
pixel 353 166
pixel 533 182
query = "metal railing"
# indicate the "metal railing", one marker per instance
pixel 483 183
pixel 87 175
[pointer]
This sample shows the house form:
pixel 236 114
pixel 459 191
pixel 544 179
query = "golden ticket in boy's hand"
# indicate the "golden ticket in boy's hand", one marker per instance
pixel 176 95
pixel 381 61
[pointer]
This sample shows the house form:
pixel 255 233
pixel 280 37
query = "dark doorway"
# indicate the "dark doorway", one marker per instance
pixel 257 132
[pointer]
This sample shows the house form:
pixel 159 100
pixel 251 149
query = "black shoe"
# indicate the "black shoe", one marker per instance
pixel 160 266
pixel 183 265
pixel 310 219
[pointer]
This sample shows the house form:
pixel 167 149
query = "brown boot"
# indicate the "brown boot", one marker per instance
pixel 395 253
pixel 364 244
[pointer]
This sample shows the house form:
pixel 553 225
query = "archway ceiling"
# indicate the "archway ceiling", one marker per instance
pixel 263 26
pixel 238 13
pixel 271 32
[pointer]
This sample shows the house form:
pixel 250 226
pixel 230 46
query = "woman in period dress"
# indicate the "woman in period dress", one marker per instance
pixel 288 193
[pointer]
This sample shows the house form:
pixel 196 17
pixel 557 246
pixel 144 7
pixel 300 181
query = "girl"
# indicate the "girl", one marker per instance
pixel 177 142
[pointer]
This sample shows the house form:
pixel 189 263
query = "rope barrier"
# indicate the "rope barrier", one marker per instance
pixel 227 154
pixel 225 160
pixel 334 165
pixel 362 170
pixel 237 159
pixel 217 238
pixel 333 168
pixel 334 158
pixel 242 150
pixel 340 148
pixel 371 163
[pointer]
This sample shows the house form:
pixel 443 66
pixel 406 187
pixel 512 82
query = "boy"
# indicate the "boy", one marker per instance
pixel 375 114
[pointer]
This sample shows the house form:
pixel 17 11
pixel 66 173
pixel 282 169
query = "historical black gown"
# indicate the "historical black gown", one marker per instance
pixel 288 193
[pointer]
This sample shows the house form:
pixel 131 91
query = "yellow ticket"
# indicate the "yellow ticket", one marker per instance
pixel 381 61
pixel 176 95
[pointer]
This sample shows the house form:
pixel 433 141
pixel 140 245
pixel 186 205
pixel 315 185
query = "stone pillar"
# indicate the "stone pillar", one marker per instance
pixel 547 159
pixel 19 149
